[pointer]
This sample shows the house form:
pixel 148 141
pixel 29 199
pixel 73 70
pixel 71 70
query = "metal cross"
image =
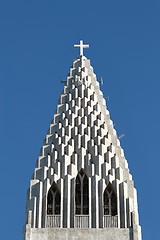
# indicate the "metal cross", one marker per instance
pixel 81 46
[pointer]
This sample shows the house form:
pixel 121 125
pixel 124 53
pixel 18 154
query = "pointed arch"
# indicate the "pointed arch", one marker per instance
pixel 82 194
pixel 110 201
pixel 53 200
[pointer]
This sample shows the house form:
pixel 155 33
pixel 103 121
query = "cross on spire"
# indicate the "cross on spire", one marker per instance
pixel 81 46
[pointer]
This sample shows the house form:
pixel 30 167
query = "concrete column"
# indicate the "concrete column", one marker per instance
pixel 72 203
pixel 27 232
pixel 46 186
pixel 100 194
pixel 62 201
pixel 123 193
pixel 90 202
pixel 67 199
pixel 95 210
pixel 39 206
pixel 118 200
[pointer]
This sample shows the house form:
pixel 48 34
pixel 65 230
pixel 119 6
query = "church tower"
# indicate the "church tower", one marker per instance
pixel 81 188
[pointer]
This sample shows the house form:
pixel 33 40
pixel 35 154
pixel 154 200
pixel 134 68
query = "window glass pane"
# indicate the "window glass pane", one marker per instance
pixel 106 203
pixel 113 204
pixel 110 201
pixel 57 203
pixel 53 200
pixel 78 196
pixel 82 194
pixel 109 187
pixel 50 203
pixel 85 196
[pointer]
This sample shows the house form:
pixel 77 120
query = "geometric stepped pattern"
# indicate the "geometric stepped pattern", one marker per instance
pixel 82 136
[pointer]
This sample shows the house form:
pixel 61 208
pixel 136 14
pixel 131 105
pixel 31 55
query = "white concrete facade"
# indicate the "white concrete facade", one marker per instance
pixel 82 137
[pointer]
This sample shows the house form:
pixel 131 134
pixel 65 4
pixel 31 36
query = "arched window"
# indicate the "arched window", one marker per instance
pixel 82 194
pixel 110 201
pixel 53 200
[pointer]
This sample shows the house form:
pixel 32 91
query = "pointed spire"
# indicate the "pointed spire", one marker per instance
pixel 82 136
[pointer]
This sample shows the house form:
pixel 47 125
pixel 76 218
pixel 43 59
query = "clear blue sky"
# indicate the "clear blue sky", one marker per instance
pixel 36 51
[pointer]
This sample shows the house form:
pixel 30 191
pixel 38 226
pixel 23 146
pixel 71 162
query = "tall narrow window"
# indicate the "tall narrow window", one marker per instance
pixel 110 201
pixel 82 194
pixel 53 201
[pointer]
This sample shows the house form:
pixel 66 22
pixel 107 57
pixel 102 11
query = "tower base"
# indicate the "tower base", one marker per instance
pixel 80 234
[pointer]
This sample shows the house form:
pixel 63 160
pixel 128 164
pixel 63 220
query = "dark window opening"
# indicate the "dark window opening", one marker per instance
pixel 82 194
pixel 110 201
pixel 53 201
